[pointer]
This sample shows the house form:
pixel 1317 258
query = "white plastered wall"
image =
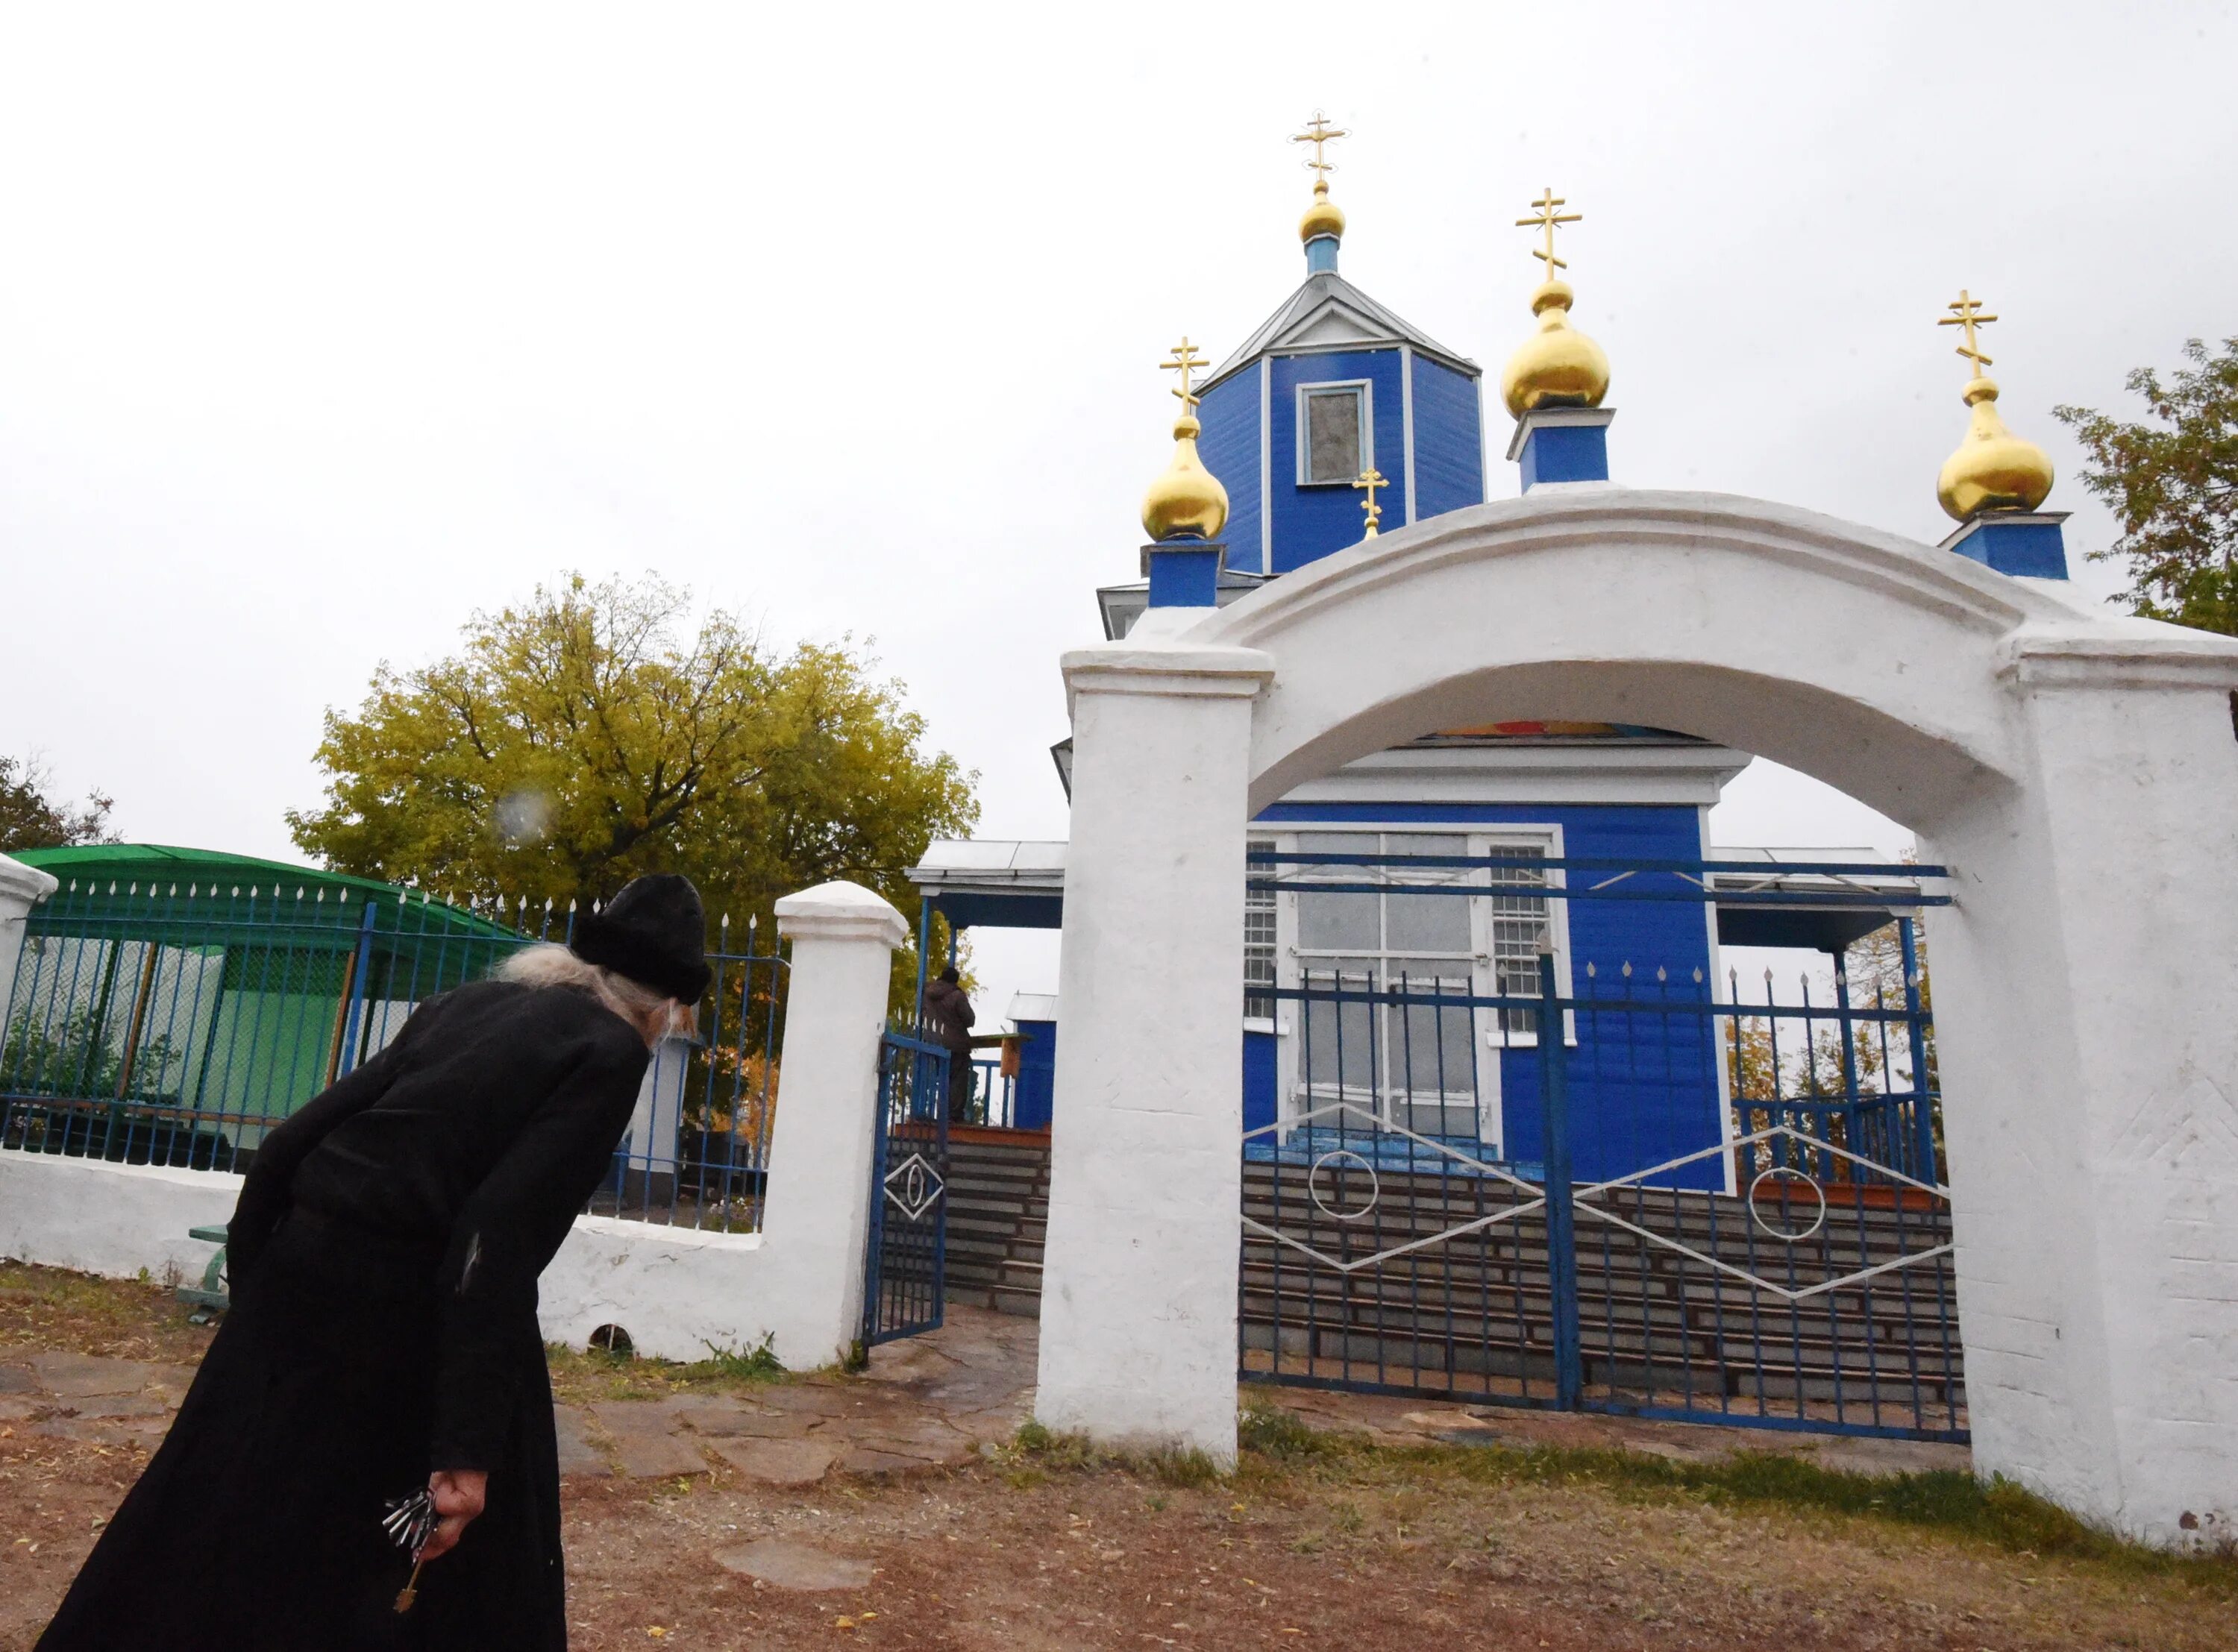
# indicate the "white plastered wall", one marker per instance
pixel 2077 771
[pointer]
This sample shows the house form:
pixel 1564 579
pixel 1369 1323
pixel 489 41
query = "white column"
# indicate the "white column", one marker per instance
pixel 22 888
pixel 2090 1062
pixel 1138 1288
pixel 819 1206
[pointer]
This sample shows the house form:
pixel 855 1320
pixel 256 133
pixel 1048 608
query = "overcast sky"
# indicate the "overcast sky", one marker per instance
pixel 320 329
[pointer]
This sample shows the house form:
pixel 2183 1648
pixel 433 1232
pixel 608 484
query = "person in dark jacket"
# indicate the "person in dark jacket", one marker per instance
pixel 383 1337
pixel 947 1017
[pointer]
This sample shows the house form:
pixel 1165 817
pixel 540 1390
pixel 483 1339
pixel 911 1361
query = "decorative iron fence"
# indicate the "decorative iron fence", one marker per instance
pixel 1619 1193
pixel 1817 1294
pixel 906 1256
pixel 152 1024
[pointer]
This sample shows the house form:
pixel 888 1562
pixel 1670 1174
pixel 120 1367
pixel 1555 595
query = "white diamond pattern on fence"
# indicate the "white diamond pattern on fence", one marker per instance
pixel 914 1187
pixel 1439 1155
pixel 1804 1145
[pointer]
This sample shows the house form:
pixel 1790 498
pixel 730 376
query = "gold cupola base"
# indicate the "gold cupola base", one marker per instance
pixel 1186 500
pixel 1993 469
pixel 1557 366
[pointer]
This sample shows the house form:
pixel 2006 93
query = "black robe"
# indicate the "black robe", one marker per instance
pixel 383 1259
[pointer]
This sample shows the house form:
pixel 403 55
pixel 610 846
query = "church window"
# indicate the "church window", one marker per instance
pixel 1335 435
pixel 1519 934
pixel 1259 915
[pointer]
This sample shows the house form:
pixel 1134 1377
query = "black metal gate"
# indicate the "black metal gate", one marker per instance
pixel 906 1255
pixel 1795 1271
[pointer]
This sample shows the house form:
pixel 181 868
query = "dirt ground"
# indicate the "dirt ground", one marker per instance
pixel 1362 1547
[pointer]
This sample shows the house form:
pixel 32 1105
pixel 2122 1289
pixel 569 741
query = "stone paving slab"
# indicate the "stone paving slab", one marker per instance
pixel 578 1455
pixel 642 1441
pixel 783 1565
pixel 18 1379
pixel 793 1463
pixel 85 1376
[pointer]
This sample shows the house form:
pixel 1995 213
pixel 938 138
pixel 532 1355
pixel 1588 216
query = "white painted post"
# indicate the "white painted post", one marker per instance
pixel 22 888
pixel 2089 1054
pixel 1138 1291
pixel 819 1208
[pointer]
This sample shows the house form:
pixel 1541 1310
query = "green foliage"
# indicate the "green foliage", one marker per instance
pixel 2174 484
pixel 77 1059
pixel 30 817
pixel 595 1373
pixel 581 739
pixel 1272 1431
pixel 756 1364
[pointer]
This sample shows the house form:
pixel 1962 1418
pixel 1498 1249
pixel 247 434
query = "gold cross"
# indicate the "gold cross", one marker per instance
pixel 1371 479
pixel 1546 220
pixel 1319 131
pixel 1186 360
pixel 1967 313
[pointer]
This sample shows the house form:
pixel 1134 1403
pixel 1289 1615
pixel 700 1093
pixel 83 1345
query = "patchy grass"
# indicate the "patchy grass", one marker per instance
pixel 585 1375
pixel 45 1307
pixel 1281 1448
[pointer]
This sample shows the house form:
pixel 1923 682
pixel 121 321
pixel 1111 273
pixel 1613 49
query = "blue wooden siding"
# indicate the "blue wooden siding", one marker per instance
pixel 1643 1089
pixel 1314 522
pixel 1258 1080
pixel 1449 440
pixel 1032 1102
pixel 1229 448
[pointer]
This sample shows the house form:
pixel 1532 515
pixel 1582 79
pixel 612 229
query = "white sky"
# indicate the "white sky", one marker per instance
pixel 320 329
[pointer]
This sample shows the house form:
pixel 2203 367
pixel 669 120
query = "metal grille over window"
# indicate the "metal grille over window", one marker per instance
pixel 1519 934
pixel 1259 936
pixel 1335 435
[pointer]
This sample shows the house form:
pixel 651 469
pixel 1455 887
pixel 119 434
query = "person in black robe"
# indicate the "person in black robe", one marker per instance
pixel 382 1335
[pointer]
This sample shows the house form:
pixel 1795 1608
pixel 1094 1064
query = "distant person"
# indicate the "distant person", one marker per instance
pixel 948 1016
pixel 383 1337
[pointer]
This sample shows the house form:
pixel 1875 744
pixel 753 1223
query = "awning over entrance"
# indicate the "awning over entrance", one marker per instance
pixel 1019 884
pixel 1809 919
pixel 993 884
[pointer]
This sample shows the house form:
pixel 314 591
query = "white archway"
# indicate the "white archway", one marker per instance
pixel 2077 771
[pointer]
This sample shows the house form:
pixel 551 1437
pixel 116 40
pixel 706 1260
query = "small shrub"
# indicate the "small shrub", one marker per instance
pixel 756 1364
pixel 1190 1469
pixel 1272 1432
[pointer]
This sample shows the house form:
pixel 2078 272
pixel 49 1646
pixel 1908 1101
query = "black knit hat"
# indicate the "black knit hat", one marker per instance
pixel 655 932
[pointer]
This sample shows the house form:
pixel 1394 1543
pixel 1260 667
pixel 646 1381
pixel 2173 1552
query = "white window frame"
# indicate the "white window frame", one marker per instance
pixel 1364 394
pixel 1491 1038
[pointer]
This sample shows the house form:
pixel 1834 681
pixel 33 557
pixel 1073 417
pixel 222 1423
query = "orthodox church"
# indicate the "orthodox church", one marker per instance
pixel 1334 416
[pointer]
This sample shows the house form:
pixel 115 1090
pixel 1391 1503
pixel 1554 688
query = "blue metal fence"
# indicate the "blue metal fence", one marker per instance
pixel 906 1256
pixel 176 1024
pixel 1782 1261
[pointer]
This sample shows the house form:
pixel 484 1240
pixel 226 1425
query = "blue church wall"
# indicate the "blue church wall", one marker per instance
pixel 1449 440
pixel 1229 447
pixel 1314 522
pixel 1642 1088
pixel 1258 1080
pixel 1032 1102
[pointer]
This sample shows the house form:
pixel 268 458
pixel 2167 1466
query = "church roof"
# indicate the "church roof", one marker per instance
pixel 1329 313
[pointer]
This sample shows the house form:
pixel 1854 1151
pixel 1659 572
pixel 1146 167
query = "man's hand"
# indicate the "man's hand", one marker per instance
pixel 458 1495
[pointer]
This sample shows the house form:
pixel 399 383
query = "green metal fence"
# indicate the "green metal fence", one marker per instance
pixel 176 1023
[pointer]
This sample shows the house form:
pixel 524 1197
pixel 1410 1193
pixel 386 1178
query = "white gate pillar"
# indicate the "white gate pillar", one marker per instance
pixel 1138 1288
pixel 22 888
pixel 819 1208
pixel 2087 978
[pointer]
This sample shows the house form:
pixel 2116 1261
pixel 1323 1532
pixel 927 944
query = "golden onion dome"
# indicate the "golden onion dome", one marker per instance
pixel 1324 218
pixel 1558 365
pixel 1186 499
pixel 1993 469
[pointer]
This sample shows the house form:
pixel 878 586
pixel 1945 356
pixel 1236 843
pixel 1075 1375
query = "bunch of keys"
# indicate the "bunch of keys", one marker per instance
pixel 411 1521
